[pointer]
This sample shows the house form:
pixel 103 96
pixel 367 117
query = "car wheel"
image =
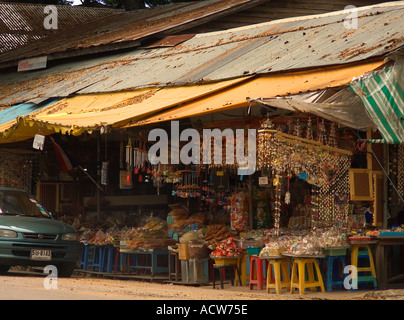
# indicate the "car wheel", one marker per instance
pixel 66 270
pixel 4 269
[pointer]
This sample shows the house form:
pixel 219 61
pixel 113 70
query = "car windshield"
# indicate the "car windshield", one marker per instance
pixel 19 203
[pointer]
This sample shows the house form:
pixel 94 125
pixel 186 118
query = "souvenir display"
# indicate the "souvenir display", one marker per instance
pixel 276 246
pixel 326 169
pixel 239 211
pixel 227 248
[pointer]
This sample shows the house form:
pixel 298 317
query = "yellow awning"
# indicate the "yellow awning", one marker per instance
pixel 265 86
pixel 85 113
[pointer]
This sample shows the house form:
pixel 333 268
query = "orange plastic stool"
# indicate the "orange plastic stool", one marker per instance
pixel 257 275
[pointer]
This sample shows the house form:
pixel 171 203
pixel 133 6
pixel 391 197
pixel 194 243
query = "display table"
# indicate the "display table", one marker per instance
pixel 382 266
pixel 146 260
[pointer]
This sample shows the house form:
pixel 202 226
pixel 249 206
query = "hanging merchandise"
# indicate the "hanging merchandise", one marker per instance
pixel 129 155
pixel 298 129
pixel 322 136
pixel 261 201
pixel 324 166
pixel 277 210
pixel 332 139
pixel 309 130
pixel 189 187
pixel 287 194
pixel 239 206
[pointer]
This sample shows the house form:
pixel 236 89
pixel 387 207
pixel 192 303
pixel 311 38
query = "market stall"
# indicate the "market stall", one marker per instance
pixel 297 206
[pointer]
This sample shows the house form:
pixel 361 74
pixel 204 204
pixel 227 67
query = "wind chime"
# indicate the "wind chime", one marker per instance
pixel 136 159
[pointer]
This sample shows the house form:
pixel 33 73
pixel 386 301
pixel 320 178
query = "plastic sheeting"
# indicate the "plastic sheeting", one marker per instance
pixel 382 93
pixel 339 105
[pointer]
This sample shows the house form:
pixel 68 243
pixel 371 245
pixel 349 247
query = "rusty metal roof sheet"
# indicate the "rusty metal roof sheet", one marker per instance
pixel 21 23
pixel 125 28
pixel 278 46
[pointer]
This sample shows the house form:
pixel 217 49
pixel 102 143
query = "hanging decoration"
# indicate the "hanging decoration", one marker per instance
pixel 309 130
pixel 326 167
pixel 277 209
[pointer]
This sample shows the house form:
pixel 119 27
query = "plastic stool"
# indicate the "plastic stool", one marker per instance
pixel 97 261
pixel 242 265
pixel 117 260
pixel 257 275
pixel 84 257
pixel 279 268
pixel 108 259
pixel 355 254
pixel 333 274
pixel 298 277
pixel 221 269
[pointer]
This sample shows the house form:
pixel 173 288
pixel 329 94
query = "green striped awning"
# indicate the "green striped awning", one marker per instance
pixel 383 97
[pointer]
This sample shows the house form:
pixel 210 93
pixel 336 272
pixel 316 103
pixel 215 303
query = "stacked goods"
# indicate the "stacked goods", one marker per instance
pixel 359 237
pixel 177 218
pixel 277 246
pixel 308 245
pixel 333 238
pixel 227 248
pixel 198 219
pixel 152 235
pixel 215 233
pixel 100 237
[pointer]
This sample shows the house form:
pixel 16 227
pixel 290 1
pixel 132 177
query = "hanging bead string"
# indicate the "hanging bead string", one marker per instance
pixel 277 209
pixel 315 202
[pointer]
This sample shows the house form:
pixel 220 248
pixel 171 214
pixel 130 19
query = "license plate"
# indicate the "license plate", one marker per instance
pixel 41 254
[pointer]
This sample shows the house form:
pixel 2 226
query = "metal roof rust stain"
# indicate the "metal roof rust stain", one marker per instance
pixel 126 27
pixel 258 49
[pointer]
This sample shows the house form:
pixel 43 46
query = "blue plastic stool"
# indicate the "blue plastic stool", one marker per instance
pixel 363 260
pixel 334 267
pixel 97 260
pixel 108 259
pixel 84 257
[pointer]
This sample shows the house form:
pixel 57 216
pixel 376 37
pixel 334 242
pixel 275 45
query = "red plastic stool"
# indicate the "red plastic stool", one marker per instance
pixel 260 278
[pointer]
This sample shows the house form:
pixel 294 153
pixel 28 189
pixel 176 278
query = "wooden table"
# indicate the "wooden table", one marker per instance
pixel 382 260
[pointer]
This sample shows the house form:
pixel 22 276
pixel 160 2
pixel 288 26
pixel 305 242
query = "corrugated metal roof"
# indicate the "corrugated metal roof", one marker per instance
pixel 285 45
pixel 21 23
pixel 125 28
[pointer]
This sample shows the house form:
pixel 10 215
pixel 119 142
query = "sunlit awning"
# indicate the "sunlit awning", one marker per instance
pixel 269 86
pixel 86 113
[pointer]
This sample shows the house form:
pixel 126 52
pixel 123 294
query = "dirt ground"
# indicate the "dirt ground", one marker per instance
pixel 18 285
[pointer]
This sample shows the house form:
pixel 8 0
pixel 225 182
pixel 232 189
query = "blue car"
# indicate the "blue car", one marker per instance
pixel 30 236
